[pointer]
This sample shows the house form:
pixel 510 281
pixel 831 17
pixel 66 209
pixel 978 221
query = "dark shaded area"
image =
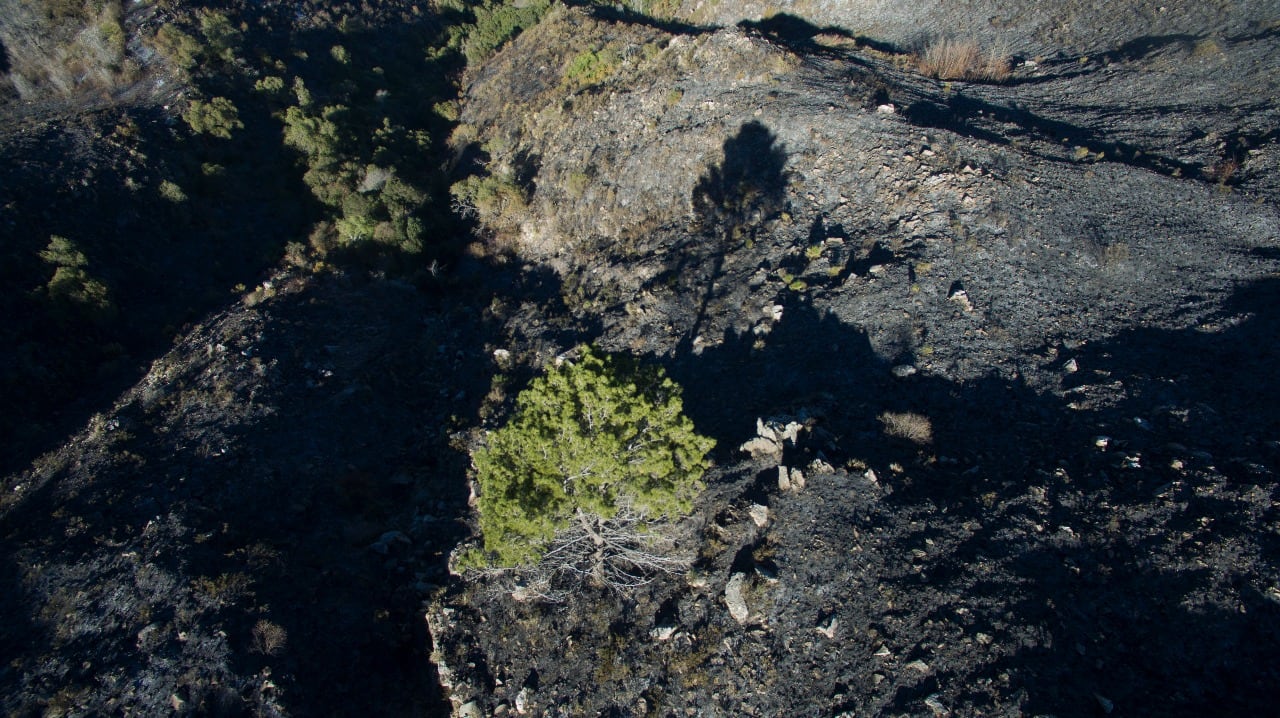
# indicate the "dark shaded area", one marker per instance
pixel 242 499
pixel 1142 48
pixel 619 12
pixel 731 202
pixel 96 179
pixel 800 35
pixel 364 383
pixel 1144 584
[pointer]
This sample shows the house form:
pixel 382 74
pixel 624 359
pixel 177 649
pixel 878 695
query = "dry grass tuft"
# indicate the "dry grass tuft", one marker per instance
pixel 268 638
pixel 961 60
pixel 908 426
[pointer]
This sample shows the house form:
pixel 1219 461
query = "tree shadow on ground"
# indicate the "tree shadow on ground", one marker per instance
pixel 801 35
pixel 731 202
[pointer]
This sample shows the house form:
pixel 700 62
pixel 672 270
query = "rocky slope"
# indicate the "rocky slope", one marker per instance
pixel 801 230
pixel 1020 338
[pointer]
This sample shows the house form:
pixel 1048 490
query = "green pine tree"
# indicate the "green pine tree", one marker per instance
pixel 591 443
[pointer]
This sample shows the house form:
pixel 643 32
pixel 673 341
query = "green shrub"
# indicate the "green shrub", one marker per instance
pixel 270 85
pixel 222 37
pixel 217 117
pixel 71 290
pixel 179 48
pixel 590 68
pixel 591 442
pixel 498 22
pixel 490 196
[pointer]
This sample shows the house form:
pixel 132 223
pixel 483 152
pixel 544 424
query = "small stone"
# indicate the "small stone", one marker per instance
pixel 983 639
pixel 883 652
pixel 761 448
pixel 662 633
pixel 1107 705
pixel 1071 367
pixel 176 703
pixel 935 705
pixel 888 109
pixel 522 701
pixel 470 709
pixel 734 600
pixel 870 475
pixel 784 479
pixel 920 666
pixel 1102 442
pixel 819 467
pixel 902 371
pixel 759 515
pixel 797 480
pixel 829 630
pixel 961 297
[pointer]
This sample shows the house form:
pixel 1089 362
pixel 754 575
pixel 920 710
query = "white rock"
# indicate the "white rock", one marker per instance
pixel 522 701
pixel 759 515
pixel 903 371
pixel 784 479
pixel 886 109
pixel 797 480
pixel 734 600
pixel 821 468
pixel 762 448
pixel 829 630
pixel 662 633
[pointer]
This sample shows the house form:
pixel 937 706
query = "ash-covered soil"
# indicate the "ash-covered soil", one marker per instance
pixel 1024 335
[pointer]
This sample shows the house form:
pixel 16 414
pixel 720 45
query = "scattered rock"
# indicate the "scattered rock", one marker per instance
pixel 902 371
pixel 390 540
pixel 1107 705
pixel 818 467
pixel 961 297
pixel 797 480
pixel 1071 367
pixel 662 633
pixel 883 652
pixel 471 709
pixel 888 109
pixel 522 701
pixel 734 600
pixel 829 630
pixel 761 448
pixel 759 515
pixel 919 666
pixel 935 704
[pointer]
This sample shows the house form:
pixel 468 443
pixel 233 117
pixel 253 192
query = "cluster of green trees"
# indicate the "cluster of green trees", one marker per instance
pixel 356 170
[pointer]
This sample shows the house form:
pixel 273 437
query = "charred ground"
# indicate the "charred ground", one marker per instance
pixel 1056 273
